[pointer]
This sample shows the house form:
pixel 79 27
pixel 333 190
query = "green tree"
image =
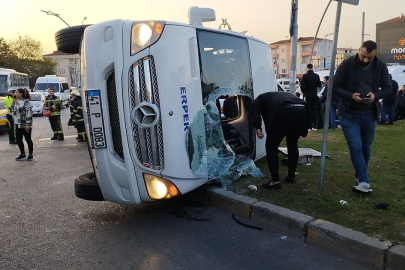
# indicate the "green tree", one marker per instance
pixel 25 55
pixel 26 48
pixel 6 55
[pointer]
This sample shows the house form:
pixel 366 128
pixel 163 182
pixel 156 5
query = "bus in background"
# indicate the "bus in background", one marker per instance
pixel 9 78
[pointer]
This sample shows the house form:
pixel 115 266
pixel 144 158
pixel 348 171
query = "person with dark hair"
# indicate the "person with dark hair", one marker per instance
pixel 22 113
pixel 309 86
pixel 360 81
pixel 284 115
pixel 333 104
pixel 388 105
pixel 54 104
pixel 230 107
pixel 401 103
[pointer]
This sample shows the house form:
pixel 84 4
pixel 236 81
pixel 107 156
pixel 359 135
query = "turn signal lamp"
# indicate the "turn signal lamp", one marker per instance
pixel 144 34
pixel 159 188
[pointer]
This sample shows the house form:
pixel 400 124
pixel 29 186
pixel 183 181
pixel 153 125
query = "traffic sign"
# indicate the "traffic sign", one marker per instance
pixel 351 2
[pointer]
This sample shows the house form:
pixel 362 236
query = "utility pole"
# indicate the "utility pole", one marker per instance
pixel 330 88
pixel 362 31
pixel 294 41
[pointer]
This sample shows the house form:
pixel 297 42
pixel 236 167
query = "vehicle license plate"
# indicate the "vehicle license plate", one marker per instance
pixel 95 117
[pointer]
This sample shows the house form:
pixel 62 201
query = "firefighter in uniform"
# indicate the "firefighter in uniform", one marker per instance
pixel 78 119
pixel 72 120
pixel 54 104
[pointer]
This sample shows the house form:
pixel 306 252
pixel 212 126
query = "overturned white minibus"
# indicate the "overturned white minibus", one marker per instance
pixel 146 84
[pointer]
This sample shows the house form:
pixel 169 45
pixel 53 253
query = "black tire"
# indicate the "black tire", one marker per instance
pixel 86 188
pixel 68 39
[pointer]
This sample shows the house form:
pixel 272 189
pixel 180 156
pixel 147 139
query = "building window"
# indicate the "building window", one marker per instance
pixel 305 59
pixel 276 71
pixel 306 48
pixel 282 50
pixel 283 71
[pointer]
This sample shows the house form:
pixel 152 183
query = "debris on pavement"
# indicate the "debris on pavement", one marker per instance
pixel 343 202
pixel 244 224
pixel 253 187
pixel 284 238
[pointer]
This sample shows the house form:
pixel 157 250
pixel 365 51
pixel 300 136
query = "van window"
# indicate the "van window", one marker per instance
pixel 65 86
pixel 224 63
pixel 35 97
pixel 40 87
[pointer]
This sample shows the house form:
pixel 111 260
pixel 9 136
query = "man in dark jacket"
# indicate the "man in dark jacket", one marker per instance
pixel 284 115
pixel 230 107
pixel 388 105
pixel 309 87
pixel 333 104
pixel 401 103
pixel 357 82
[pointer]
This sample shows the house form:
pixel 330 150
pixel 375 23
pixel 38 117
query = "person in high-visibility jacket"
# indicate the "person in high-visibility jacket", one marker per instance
pixel 54 104
pixel 78 119
pixel 8 101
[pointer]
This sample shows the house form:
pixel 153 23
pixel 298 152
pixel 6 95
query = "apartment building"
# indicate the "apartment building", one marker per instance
pixel 321 55
pixel 68 66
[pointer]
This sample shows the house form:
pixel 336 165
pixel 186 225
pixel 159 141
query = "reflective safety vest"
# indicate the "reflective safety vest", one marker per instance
pixel 7 103
pixel 54 104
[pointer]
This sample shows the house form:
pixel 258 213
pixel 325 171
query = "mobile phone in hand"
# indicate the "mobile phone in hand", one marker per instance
pixel 367 98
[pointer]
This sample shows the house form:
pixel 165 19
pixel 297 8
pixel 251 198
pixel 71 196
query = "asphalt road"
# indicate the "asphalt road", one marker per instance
pixel 44 226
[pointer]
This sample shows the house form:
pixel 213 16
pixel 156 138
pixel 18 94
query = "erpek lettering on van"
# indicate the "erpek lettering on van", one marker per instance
pixel 186 121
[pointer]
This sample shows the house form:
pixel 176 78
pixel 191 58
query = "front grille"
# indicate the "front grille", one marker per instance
pixel 114 115
pixel 143 88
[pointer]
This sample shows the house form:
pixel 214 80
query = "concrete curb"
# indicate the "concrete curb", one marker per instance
pixel 356 246
pixel 271 216
pixel 395 258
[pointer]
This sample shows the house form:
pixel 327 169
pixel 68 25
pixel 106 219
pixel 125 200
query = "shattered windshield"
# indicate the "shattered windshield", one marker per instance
pixel 224 64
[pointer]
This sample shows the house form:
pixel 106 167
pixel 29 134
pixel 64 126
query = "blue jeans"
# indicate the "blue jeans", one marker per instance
pixel 359 133
pixel 333 123
pixel 390 109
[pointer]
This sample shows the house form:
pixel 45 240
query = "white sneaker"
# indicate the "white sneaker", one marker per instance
pixel 314 129
pixel 309 129
pixel 363 187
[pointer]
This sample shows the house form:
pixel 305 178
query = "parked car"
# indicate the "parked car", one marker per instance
pixel 37 102
pixel 4 123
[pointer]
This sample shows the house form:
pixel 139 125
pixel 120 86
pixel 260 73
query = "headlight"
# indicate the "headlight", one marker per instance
pixel 159 188
pixel 145 34
pixel 3 117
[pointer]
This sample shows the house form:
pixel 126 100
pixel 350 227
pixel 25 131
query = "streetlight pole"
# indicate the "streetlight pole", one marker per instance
pixel 56 15
pixel 317 30
pixel 324 45
pixel 294 43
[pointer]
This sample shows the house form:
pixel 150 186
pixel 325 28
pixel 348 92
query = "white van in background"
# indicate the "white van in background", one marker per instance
pixel 285 82
pixel 397 72
pixel 59 84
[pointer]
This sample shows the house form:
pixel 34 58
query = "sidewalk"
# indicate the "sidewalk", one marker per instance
pixel 356 246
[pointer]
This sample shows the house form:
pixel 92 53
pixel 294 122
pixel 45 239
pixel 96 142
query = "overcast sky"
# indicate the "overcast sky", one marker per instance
pixel 265 19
